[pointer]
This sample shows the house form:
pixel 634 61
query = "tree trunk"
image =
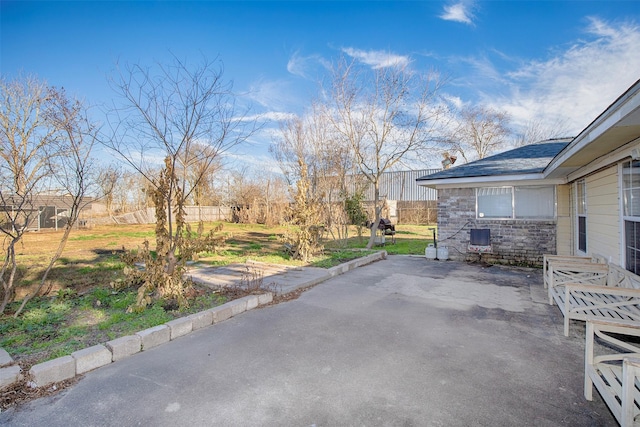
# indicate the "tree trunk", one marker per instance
pixel 8 283
pixel 378 213
pixel 54 258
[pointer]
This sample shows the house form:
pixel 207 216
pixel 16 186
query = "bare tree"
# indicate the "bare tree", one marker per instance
pixel 384 115
pixel 311 142
pixel 296 150
pixel 26 138
pixel 275 200
pixel 108 178
pixel 480 132
pixel 138 193
pixel 170 112
pixel 254 195
pixel 537 130
pixel 173 111
pixel 72 173
pixel 201 168
pixel 45 142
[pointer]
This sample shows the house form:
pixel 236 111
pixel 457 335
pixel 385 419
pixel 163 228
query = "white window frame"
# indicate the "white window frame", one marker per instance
pixel 513 205
pixel 579 185
pixel 626 218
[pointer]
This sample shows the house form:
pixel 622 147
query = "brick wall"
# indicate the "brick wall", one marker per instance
pixel 514 241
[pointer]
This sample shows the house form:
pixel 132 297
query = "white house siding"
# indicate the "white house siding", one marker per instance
pixel 564 229
pixel 603 214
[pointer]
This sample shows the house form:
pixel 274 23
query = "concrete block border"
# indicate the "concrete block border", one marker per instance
pixel 88 359
pixel 154 336
pixel 91 358
pixel 10 375
pixel 358 262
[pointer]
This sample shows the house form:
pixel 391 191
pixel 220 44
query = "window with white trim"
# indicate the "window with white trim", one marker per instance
pixel 581 214
pixel 519 202
pixel 631 214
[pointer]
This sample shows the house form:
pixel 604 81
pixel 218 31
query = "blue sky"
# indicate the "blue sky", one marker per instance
pixel 542 60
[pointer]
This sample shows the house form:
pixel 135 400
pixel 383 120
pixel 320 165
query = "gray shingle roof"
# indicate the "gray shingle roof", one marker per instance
pixel 532 158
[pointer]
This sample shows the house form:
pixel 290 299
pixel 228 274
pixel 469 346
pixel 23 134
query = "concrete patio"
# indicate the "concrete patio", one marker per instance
pixel 403 341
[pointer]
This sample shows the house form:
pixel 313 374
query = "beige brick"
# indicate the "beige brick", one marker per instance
pixel 124 346
pixel 252 301
pixel 155 336
pixel 221 313
pixel 180 327
pixel 52 371
pixel 201 319
pixel 5 358
pixel 91 358
pixel 9 376
pixel 265 298
pixel 238 306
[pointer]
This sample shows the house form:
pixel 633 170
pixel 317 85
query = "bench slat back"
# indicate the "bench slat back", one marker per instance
pixel 622 278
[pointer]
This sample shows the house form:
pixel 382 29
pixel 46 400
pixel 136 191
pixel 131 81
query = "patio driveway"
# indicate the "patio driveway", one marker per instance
pixel 400 342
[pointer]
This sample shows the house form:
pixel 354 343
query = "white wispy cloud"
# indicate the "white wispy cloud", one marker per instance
pixel 484 68
pixel 297 65
pixel 269 116
pixel 377 58
pixel 274 95
pixel 305 66
pixel 576 83
pixel 455 101
pixel 458 12
pixel 262 162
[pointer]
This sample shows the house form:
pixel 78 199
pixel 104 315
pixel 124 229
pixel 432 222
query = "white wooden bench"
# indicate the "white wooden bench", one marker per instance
pixel 562 259
pixel 604 291
pixel 615 372
pixel 559 273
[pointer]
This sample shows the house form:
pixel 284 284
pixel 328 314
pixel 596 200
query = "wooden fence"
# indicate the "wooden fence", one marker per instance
pixel 148 216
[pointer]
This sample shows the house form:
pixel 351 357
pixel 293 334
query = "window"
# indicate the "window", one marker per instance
pixel 581 210
pixel 535 202
pixel 631 214
pixel 495 202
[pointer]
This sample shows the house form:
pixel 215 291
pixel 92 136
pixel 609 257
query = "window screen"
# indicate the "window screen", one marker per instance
pixel 495 202
pixel 535 202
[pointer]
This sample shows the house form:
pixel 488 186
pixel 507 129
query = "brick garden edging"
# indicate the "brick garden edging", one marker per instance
pixel 85 360
pixel 88 359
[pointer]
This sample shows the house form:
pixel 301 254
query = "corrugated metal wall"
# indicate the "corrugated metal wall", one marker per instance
pixel 402 186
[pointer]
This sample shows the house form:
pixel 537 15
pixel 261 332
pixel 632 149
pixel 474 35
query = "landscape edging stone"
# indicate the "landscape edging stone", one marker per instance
pixel 60 369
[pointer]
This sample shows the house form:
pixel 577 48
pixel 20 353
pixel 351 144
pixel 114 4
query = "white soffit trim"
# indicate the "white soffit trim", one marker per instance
pixel 497 180
pixel 610 160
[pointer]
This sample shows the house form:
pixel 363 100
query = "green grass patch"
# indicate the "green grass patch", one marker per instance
pixel 333 258
pixel 407 247
pixel 58 326
pixel 143 234
pixel 409 240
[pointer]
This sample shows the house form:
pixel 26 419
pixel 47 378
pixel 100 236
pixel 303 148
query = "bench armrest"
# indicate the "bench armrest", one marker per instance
pixel 616 382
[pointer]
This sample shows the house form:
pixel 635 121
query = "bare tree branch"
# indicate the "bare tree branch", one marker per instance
pixel 480 132
pixel 384 115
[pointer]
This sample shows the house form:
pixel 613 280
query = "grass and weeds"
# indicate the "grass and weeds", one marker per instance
pixel 59 325
pixel 82 309
pixel 409 240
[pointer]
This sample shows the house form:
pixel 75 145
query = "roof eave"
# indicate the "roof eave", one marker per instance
pixel 476 181
pixel 622 106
